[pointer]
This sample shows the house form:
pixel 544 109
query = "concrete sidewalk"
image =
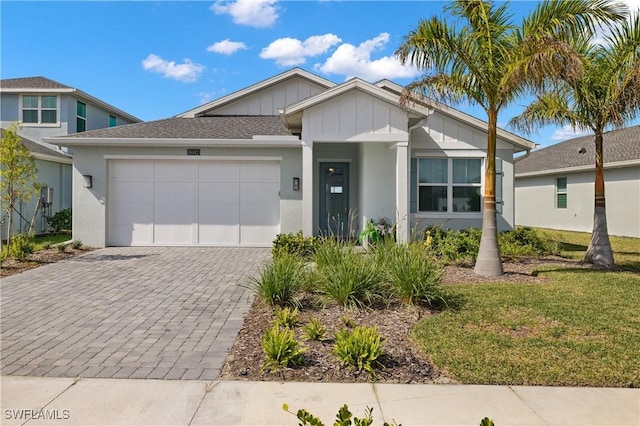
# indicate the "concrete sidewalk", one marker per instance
pixel 184 402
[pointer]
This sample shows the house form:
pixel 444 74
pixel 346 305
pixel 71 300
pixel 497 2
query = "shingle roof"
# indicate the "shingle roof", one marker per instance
pixel 36 148
pixel 219 127
pixel 31 83
pixel 619 145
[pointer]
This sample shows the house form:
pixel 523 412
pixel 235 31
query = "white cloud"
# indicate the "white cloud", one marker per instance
pixel 186 71
pixel 568 132
pixel 254 13
pixel 291 51
pixel 227 47
pixel 355 61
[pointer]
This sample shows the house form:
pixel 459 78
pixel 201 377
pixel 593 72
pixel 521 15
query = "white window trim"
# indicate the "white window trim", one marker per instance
pixel 449 213
pixel 40 109
pixel 558 192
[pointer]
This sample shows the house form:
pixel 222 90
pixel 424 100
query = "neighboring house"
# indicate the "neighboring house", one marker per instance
pixel 293 152
pixel 45 108
pixel 555 185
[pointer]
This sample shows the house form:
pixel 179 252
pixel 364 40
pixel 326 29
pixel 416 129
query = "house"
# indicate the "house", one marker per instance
pixel 555 185
pixel 45 108
pixel 293 152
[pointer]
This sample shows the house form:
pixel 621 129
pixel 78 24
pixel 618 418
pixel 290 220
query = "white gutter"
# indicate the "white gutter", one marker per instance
pixel 615 165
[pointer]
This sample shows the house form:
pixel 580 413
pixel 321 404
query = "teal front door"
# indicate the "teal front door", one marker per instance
pixel 334 199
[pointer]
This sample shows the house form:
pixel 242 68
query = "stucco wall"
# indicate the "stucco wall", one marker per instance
pixel 90 211
pixel 377 192
pixel 535 201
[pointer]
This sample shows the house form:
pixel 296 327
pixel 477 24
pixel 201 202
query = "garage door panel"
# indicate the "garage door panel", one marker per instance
pixel 174 193
pixel 259 225
pixel 259 192
pixel 173 171
pixel 219 171
pixel 218 193
pixel 129 192
pixel 260 171
pixel 122 170
pixel 131 234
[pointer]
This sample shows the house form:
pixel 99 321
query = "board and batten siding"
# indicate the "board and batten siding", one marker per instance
pixel 536 201
pixel 354 116
pixel 269 100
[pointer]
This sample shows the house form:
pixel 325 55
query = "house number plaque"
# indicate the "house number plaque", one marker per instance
pixel 193 151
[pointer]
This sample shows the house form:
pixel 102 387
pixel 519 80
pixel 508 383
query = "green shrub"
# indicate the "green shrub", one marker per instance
pixel 375 231
pixel 313 330
pixel 76 244
pixel 61 220
pixel 280 348
pixel 287 317
pixel 359 348
pixel 61 247
pixel 413 276
pixel 524 241
pixel 21 246
pixel 281 280
pixel 4 254
pixel 294 244
pixel 330 251
pixel 353 281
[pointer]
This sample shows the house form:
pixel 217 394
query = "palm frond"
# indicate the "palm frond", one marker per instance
pixel 547 108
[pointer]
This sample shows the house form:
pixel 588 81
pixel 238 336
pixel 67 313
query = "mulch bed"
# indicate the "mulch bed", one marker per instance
pixel 41 257
pixel 402 362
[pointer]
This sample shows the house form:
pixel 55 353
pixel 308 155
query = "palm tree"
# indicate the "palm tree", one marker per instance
pixel 607 94
pixel 491 62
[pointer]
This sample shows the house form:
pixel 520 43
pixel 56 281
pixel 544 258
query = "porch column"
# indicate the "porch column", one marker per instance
pixel 402 192
pixel 307 188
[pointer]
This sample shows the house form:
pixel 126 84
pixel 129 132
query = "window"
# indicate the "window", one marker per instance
pixel 39 109
pixel 449 185
pixel 561 193
pixel 81 117
pixel 113 122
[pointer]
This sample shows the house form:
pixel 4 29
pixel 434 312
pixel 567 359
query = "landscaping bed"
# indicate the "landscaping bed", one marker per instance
pixel 38 258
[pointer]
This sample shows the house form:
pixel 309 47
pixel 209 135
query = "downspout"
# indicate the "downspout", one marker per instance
pixel 522 157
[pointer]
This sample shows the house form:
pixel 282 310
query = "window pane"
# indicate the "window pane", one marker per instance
pixel 29 116
pixel 433 170
pixel 432 199
pixel 49 102
pixel 49 116
pixel 30 101
pixel 80 125
pixel 561 201
pixel 466 199
pixel 112 121
pixel 81 110
pixel 561 184
pixel 467 170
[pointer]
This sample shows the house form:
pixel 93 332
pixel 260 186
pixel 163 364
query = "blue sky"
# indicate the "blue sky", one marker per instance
pixel 156 59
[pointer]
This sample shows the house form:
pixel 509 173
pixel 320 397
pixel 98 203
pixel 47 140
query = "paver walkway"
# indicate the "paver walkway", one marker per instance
pixel 146 312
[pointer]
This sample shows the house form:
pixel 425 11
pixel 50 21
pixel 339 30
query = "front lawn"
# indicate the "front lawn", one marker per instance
pixel 579 327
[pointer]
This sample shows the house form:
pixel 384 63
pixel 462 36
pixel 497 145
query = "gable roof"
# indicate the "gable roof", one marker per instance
pixel 294 72
pixel 218 127
pixel 38 85
pixel 42 152
pixel 620 147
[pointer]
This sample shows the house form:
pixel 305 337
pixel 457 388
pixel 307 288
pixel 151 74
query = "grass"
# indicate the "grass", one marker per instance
pixel 626 250
pixel 581 327
pixel 49 240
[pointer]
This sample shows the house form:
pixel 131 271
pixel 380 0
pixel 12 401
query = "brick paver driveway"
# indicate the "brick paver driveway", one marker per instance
pixel 150 312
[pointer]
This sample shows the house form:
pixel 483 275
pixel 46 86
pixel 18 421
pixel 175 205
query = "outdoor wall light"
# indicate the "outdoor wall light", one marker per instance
pixel 88 181
pixel 296 184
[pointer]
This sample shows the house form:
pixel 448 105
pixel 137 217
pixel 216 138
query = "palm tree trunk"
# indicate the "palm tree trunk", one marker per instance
pixel 599 252
pixel 488 262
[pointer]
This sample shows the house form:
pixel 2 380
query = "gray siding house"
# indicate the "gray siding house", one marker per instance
pixel 293 152
pixel 555 185
pixel 45 108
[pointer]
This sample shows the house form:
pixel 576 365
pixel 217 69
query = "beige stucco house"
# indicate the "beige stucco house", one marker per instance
pixel 555 185
pixel 293 152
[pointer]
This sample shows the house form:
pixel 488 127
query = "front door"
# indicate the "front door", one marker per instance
pixel 334 199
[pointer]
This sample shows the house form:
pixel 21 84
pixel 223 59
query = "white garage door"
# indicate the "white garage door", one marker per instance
pixel 165 202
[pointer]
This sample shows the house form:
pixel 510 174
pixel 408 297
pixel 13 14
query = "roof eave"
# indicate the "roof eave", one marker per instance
pixel 256 142
pixel 575 169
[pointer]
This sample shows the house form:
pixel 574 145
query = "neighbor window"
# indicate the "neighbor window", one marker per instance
pixel 39 109
pixel 81 117
pixel 561 193
pixel 113 122
pixel 449 185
